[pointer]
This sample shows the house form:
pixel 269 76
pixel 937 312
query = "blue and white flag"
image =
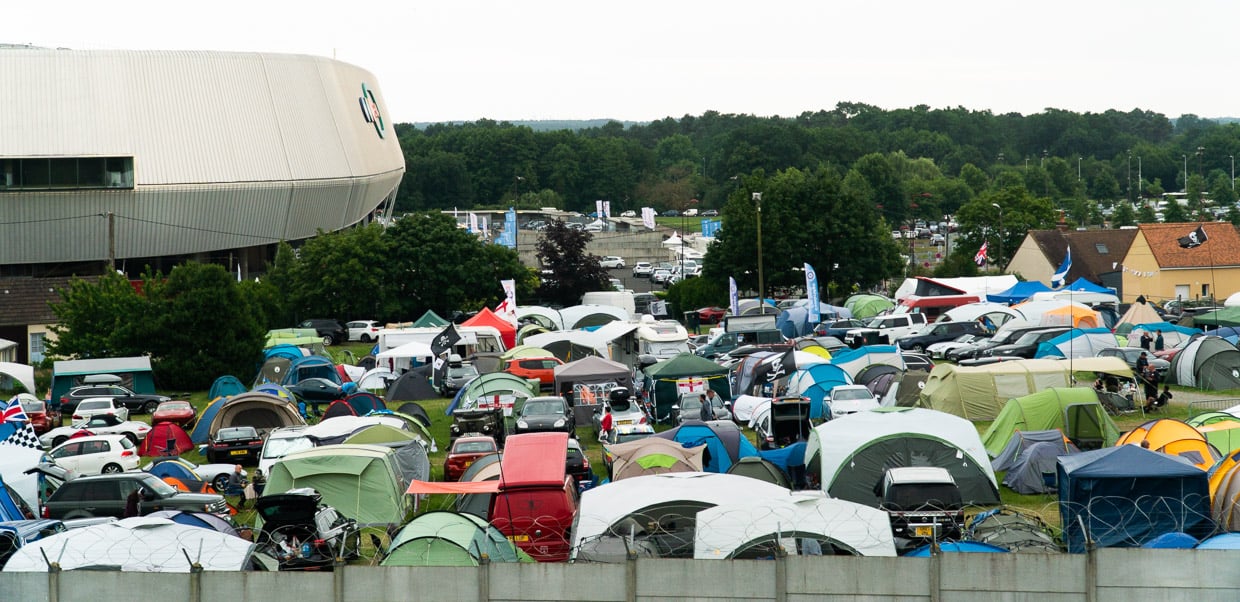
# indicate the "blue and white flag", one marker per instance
pixel 734 302
pixel 811 290
pixel 1060 277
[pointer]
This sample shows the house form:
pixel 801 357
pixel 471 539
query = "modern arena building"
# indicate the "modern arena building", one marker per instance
pixel 137 158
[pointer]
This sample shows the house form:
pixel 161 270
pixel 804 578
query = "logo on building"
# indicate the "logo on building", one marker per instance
pixel 370 109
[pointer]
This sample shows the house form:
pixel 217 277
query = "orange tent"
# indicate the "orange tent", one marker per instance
pixel 1225 492
pixel 486 317
pixel 1174 438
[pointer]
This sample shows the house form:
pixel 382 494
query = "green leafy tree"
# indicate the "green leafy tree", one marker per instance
pixel 1123 216
pixel 1221 191
pixel 1233 215
pixel 692 293
pixel 201 327
pixel 1196 195
pixel 975 178
pixel 1103 185
pixel 97 319
pixel 1021 212
pixel 1174 212
pixel 574 272
pixel 334 269
pixel 1146 214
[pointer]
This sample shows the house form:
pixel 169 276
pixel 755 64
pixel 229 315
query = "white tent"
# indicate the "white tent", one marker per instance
pixel 639 498
pixel 1232 300
pixel 851 453
pixel 1075 296
pixel 378 378
pixel 401 358
pixel 572 315
pixel 21 373
pixel 139 544
pixel 728 529
pixel 544 316
pixel 745 406
pixel 340 426
pixel 973 311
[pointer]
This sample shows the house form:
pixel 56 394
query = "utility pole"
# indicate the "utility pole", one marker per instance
pixel 111 241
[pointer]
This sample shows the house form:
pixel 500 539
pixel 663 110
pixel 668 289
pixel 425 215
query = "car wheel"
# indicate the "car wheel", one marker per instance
pixel 58 440
pixel 220 483
pixel 112 468
pixel 328 340
pixel 150 407
pixel 366 338
pixel 919 348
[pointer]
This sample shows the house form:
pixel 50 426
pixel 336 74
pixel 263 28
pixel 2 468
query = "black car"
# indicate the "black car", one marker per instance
pixel 235 444
pixel 671 213
pixel 315 391
pixel 979 348
pixel 577 465
pixel 546 414
pixel 134 402
pixel 332 330
pixel 937 333
pixel 105 495
pixel 1026 345
pixel 837 328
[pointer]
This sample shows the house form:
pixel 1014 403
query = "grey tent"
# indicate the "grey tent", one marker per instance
pixel 1014 531
pixel 908 389
pixel 1023 439
pixel 756 467
pixel 413 385
pixel 1206 362
pixel 598 374
pixel 1034 471
pixel 414 410
pixel 878 378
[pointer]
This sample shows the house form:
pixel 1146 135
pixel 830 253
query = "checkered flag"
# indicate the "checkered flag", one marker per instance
pixel 20 435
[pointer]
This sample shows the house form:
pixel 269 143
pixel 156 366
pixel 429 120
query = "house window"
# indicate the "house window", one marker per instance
pixel 37 347
pixel 1101 247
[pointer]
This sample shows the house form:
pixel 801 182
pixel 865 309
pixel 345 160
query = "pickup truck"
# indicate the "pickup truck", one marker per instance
pixel 885 329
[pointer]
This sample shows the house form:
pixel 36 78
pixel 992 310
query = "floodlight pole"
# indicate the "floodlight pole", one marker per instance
pixel 757 199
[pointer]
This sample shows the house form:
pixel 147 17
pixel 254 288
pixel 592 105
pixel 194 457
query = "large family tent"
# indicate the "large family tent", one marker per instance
pixel 262 411
pixel 761 528
pixel 486 317
pixel 1174 335
pixel 442 538
pixel 140 544
pixel 724 442
pixel 1222 430
pixel 1072 411
pixel 202 426
pixel 1060 313
pixel 498 388
pixel 664 378
pixel 594 373
pixel 1174 438
pixel 406 357
pixel 865 306
pixel 850 455
pixel 545 317
pixel 226 386
pixel 1206 362
pixel 569 345
pixel 579 317
pixel 979 392
pixel 1020 292
pixel 1078 342
pixel 412 462
pixel 361 482
pixel 1219 318
pixel 656 513
pixel 815 382
pixel 1126 495
pixel 652 455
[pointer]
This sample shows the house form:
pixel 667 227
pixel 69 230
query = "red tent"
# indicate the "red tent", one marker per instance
pixel 486 317
pixel 165 439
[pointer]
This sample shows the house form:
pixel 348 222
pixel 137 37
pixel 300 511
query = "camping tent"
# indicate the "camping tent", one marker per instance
pixel 1222 430
pixel 442 538
pixel 599 374
pixel 1019 292
pixel 853 361
pixel 865 306
pixel 225 386
pixel 545 317
pixel 429 319
pixel 414 385
pixel 311 366
pixel 486 317
pixel 500 387
pixel 165 439
pixel 1078 342
pixel 202 520
pixel 757 467
pixel 652 455
pixel 1022 440
pixel 1228 316
pixel 815 382
pixel 757 528
pixel 1049 409
pixel 664 379
pixel 569 345
pixel 1206 362
pixel 1173 334
pixel 260 410
pixel 1225 492
pixel 659 507
pixel 584 316
pixel 1124 496
pixel 361 482
pixel 979 392
pixel 725 443
pixel 1059 313
pixel 1033 471
pixel 1174 438
pixel 851 454
pixel 140 544
pixel 202 426
pixel 1138 313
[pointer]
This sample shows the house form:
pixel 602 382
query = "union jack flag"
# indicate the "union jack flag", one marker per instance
pixel 981 257
pixel 13 412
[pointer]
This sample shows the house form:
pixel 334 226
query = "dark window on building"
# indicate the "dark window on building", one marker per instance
pixel 1101 247
pixel 66 173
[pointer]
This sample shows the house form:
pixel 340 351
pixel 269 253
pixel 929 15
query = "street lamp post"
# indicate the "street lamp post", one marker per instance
pixel 1185 171
pixel 757 199
pixel 1140 184
pixel 1078 169
pixel 1233 171
pixel 1201 150
pixel 996 206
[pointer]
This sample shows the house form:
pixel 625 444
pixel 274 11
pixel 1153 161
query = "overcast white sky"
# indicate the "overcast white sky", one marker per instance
pixel 442 60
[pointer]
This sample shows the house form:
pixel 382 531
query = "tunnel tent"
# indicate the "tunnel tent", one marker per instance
pixel 444 538
pixel 361 482
pixel 747 528
pixel 1048 410
pixel 1206 362
pixel 851 455
pixel 980 392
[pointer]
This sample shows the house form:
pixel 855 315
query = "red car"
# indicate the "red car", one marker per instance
pixel 463 453
pixel 711 315
pixel 542 368
pixel 175 411
pixel 40 419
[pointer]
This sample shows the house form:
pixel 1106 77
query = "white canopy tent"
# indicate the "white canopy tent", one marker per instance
pixel 727 529
pixel 140 545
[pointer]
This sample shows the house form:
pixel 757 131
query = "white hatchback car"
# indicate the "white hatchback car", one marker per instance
pixel 363 330
pixel 850 399
pixel 100 454
pixel 611 262
pixel 642 268
pixel 94 406
pixel 629 213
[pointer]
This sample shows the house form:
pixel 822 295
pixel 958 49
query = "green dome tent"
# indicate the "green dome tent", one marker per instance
pixel 443 538
pixel 867 306
pixel 430 319
pixel 1075 411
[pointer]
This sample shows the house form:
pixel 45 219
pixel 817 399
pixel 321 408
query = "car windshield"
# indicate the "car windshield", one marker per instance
pixel 691 404
pixel 280 447
pixel 94 405
pixel 473 447
pixel 157 485
pixel 32 406
pixel 461 371
pixel 175 406
pixel 543 407
pixel 846 394
pixel 626 437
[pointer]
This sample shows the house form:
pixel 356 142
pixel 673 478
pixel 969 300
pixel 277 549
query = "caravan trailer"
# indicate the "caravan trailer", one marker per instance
pixel 473 339
pixel 661 338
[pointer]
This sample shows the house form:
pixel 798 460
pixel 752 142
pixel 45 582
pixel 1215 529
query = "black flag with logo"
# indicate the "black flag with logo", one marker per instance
pixel 1194 239
pixel 441 347
pixel 781 366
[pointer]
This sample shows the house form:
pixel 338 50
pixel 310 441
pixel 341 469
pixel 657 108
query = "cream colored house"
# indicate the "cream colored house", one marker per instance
pixel 1157 267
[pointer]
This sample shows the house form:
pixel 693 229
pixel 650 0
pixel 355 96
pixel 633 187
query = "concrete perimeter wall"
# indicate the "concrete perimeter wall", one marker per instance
pixel 1107 575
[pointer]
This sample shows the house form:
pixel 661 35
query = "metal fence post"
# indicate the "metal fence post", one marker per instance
pixel 781 574
pixel 630 577
pixel 484 578
pixel 53 582
pixel 338 580
pixel 936 572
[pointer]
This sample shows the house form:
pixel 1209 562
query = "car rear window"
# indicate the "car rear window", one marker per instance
pixel 32 406
pixel 467 447
pixel 94 405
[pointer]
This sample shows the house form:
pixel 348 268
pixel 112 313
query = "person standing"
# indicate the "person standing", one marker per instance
pixel 1143 362
pixel 606 424
pixel 1146 340
pixel 1159 343
pixel 708 408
